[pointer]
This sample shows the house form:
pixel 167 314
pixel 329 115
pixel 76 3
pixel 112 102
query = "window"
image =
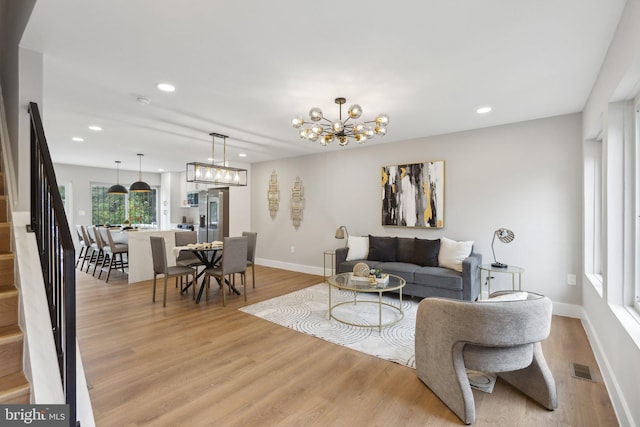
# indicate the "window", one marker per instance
pixel 137 208
pixel 143 207
pixel 107 208
pixel 593 200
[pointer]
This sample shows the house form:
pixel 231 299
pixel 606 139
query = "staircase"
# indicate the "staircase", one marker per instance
pixel 14 388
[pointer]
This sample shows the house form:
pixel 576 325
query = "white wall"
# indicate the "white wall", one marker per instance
pixel 613 331
pixel 523 176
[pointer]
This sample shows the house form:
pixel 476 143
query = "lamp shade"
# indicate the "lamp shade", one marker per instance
pixel 140 187
pixel 117 189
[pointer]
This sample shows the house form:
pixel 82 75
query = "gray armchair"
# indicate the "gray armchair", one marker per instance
pixel 493 336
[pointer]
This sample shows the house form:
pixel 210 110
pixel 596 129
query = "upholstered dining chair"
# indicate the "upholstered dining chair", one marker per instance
pixel 83 245
pixel 98 254
pixel 92 249
pixel 234 260
pixel 252 238
pixel 499 336
pixel 159 255
pixel 187 258
pixel 114 253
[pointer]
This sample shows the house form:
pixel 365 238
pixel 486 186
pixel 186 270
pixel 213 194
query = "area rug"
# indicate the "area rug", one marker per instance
pixel 307 311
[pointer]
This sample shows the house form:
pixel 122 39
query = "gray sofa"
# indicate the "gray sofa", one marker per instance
pixel 415 260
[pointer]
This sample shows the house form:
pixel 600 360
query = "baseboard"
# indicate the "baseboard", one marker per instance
pixel 568 310
pixel 300 268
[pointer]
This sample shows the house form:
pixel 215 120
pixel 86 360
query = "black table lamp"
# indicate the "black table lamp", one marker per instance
pixel 505 236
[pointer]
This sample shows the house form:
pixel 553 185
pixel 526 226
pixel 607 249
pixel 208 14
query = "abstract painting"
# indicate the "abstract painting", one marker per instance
pixel 413 195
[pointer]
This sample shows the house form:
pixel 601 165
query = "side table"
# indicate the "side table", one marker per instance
pixel 511 269
pixel 331 254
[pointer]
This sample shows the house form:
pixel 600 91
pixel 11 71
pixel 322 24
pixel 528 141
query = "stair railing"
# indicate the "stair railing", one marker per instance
pixel 57 257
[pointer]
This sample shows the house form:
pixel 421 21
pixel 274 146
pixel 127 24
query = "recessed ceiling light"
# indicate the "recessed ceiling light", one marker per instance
pixel 242 154
pixel 483 110
pixel 160 170
pixel 166 87
pixel 95 128
pixel 77 139
pixel 210 159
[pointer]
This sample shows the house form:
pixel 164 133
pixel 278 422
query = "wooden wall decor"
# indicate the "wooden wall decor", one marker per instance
pixel 273 195
pixel 297 202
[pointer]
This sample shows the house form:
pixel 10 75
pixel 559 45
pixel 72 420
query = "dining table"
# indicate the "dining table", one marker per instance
pixel 209 254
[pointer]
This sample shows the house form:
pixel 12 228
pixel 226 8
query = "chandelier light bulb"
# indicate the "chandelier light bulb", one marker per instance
pixel 237 177
pixel 297 122
pixel 382 119
pixel 337 126
pixel 313 136
pixel 368 131
pixel 358 128
pixel 317 129
pixel 361 138
pixel 328 138
pixel 355 111
pixel 343 141
pixel 315 114
pixel 381 131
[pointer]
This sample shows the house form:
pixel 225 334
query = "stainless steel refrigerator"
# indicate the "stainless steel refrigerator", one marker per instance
pixel 213 207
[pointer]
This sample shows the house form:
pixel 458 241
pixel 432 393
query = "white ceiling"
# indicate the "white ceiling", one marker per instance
pixel 245 68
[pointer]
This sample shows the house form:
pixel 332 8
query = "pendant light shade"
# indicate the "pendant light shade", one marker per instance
pixel 140 186
pixel 117 188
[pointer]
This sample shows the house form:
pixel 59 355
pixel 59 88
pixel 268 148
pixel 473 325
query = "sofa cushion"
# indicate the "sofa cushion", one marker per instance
pixel 406 250
pixel 402 269
pixel 452 253
pixel 358 247
pixel 438 277
pixel 382 248
pixel 426 252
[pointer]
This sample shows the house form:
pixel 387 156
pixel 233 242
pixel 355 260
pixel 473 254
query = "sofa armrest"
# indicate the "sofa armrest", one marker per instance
pixel 471 284
pixel 341 256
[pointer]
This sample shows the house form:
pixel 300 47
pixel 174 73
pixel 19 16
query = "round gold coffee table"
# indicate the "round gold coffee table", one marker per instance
pixel 345 281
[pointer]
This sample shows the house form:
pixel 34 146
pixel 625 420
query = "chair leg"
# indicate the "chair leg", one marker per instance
pixel 80 255
pixel 253 275
pixel 243 279
pixel 164 299
pixel 224 297
pixel 111 266
pixel 154 287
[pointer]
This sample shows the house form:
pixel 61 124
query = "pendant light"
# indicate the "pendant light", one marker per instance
pixel 117 188
pixel 140 186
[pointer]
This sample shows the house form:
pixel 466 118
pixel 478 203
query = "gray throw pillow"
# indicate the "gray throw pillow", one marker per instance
pixel 426 252
pixel 382 248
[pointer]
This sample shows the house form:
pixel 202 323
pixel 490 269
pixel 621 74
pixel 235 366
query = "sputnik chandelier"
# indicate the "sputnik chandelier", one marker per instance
pixel 326 131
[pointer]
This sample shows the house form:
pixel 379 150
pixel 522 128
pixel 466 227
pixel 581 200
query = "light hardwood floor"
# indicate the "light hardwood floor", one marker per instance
pixel 208 365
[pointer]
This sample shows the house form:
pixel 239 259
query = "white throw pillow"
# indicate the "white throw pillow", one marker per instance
pixel 358 247
pixel 452 253
pixel 510 296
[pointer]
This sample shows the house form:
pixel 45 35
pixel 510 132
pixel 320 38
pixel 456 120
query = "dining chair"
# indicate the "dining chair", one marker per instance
pixel 92 248
pixel 98 257
pixel 113 251
pixel 187 258
pixel 252 238
pixel 159 255
pixel 83 245
pixel 234 260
